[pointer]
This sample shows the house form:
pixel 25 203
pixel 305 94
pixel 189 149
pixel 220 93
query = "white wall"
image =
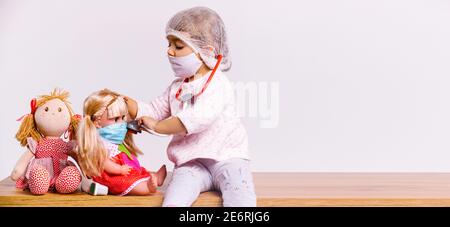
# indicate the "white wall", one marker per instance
pixel 363 85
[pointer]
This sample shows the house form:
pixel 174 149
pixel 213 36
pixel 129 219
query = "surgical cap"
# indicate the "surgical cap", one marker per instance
pixel 202 28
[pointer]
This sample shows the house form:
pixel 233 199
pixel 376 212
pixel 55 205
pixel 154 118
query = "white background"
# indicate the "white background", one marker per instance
pixel 364 85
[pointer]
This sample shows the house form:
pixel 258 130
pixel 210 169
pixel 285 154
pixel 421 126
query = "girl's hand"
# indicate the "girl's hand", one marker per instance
pixel 132 107
pixel 125 169
pixel 149 122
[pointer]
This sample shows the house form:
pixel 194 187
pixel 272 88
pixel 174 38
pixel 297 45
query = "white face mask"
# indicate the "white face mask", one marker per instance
pixel 185 66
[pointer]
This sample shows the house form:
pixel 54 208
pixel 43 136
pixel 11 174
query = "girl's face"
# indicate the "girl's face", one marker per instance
pixel 104 121
pixel 178 48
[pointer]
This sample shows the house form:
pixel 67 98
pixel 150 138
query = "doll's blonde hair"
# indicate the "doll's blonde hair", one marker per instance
pixel 91 151
pixel 28 127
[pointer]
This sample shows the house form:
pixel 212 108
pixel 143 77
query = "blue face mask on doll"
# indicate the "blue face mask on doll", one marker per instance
pixel 115 133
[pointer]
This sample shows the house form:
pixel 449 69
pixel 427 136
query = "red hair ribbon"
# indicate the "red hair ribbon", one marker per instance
pixel 77 117
pixel 33 108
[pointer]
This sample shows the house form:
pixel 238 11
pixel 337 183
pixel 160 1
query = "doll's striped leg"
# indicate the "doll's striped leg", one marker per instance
pixel 39 180
pixel 68 180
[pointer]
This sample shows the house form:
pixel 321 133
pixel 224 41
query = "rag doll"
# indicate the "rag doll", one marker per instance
pixel 47 133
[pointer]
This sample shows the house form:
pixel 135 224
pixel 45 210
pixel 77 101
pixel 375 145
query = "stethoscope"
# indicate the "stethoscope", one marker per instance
pixel 189 98
pixel 185 100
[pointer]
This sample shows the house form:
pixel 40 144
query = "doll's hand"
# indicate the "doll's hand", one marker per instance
pixel 148 122
pixel 125 169
pixel 21 165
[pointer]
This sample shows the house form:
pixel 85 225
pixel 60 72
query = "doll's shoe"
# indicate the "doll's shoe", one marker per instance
pixel 91 187
pixel 88 185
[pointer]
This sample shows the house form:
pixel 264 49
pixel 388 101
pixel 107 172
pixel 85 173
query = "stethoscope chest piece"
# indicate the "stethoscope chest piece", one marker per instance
pixel 187 100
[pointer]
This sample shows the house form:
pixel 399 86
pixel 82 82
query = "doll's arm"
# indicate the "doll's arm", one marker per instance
pixel 114 168
pixel 21 165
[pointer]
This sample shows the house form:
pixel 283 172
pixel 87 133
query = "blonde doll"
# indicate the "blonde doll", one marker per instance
pixel 106 151
pixel 44 166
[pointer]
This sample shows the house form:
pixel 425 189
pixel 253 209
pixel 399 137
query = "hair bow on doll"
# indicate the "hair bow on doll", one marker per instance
pixel 33 108
pixel 77 117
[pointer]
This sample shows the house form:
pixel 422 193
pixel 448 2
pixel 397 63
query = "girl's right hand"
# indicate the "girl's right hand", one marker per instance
pixel 125 169
pixel 148 122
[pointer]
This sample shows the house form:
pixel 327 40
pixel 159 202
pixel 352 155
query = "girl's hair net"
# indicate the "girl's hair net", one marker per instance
pixel 202 28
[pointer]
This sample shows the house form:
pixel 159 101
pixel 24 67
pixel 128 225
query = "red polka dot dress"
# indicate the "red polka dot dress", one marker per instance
pixel 122 184
pixel 45 168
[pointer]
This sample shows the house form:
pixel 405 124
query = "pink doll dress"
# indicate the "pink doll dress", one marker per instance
pixel 50 153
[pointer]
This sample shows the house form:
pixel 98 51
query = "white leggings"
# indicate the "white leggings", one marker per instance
pixel 231 177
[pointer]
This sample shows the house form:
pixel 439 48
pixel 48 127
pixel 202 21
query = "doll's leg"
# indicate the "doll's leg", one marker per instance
pixel 68 180
pixel 188 181
pixel 39 180
pixel 234 179
pixel 147 187
pixel 161 175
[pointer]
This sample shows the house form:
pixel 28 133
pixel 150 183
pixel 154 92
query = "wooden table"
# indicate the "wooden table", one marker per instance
pixel 281 189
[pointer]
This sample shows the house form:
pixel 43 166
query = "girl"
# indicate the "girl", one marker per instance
pixel 107 153
pixel 209 145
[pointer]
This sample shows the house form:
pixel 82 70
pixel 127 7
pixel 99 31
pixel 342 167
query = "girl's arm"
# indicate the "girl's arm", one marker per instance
pixel 21 165
pixel 114 168
pixel 158 109
pixel 169 126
